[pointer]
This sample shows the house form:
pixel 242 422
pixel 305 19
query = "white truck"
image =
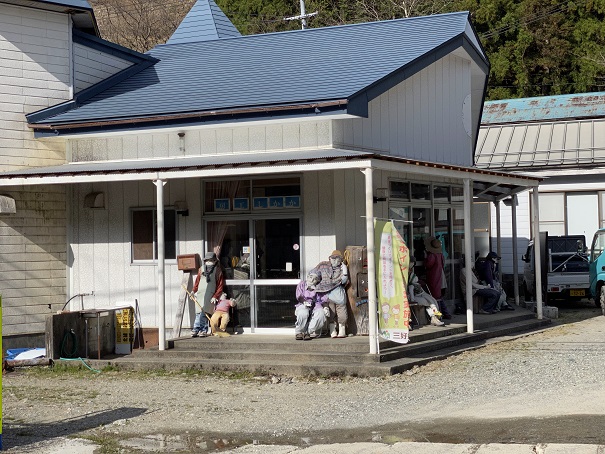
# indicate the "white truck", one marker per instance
pixel 565 268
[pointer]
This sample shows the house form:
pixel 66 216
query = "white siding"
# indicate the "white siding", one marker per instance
pixel 421 118
pixel 92 66
pixel 34 74
pixel 102 239
pixel 33 258
pixel 207 141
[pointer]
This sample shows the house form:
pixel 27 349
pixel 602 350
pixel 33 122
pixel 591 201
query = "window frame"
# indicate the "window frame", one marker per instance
pixel 154 259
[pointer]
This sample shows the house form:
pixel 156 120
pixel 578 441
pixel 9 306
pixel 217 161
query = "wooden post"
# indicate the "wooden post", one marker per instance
pixel 186 284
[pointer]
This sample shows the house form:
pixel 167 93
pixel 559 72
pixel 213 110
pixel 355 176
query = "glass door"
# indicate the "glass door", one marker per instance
pixel 261 259
pixel 277 271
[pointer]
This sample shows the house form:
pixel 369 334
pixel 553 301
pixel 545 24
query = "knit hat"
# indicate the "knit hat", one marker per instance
pixel 210 256
pixel 492 255
pixel 432 244
pixel 336 253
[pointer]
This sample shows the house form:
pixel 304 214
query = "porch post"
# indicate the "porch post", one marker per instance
pixel 468 254
pixel 515 252
pixel 536 235
pixel 159 184
pixel 372 307
pixel 498 230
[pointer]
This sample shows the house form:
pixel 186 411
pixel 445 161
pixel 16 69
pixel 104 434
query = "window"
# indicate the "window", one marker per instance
pixel 145 232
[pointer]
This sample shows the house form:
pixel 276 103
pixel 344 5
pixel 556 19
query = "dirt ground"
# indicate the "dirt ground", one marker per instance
pixel 546 387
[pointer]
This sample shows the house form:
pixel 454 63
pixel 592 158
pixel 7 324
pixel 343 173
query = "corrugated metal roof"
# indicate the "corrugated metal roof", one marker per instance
pixel 547 144
pixel 80 4
pixel 563 107
pixel 205 21
pixel 300 66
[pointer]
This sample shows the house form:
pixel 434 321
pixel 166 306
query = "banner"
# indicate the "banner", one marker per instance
pixel 392 260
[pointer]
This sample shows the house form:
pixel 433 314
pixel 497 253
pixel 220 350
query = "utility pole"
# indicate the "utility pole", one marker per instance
pixel 302 17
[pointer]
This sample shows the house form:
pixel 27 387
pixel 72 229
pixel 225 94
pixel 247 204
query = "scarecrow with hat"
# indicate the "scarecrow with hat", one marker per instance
pixel 487 271
pixel 210 283
pixel 434 264
pixel 334 275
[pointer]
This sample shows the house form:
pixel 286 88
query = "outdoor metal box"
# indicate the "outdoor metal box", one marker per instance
pixel 188 262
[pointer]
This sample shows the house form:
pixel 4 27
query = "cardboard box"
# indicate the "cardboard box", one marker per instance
pixel 188 262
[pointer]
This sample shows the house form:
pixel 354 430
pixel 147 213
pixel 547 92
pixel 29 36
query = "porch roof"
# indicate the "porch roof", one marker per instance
pixel 487 185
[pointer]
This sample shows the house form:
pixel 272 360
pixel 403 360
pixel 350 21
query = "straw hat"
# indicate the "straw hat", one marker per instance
pixel 432 244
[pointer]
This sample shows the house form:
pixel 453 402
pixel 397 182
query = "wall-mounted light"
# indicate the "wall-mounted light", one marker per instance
pixel 181 208
pixel 7 205
pixel 182 143
pixel 381 195
pixel 509 201
pixel 95 201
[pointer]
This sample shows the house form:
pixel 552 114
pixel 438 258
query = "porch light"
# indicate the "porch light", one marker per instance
pixel 95 201
pixel 7 205
pixel 381 195
pixel 509 201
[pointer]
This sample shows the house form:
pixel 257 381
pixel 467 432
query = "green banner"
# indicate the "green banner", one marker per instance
pixel 392 260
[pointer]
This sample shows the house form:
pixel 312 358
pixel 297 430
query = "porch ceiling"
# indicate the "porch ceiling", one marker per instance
pixel 487 185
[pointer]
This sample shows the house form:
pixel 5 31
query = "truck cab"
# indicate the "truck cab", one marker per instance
pixel 597 268
pixel 565 263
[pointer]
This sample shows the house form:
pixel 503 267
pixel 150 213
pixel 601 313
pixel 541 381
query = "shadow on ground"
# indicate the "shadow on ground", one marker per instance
pixel 15 434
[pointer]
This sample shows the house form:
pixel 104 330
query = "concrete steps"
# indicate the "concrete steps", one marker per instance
pixel 283 355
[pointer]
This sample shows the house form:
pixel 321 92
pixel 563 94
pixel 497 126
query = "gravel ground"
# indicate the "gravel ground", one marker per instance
pixel 555 373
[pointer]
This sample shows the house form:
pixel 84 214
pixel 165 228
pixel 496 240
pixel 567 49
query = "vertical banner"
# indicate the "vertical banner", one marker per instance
pixel 124 330
pixel 392 260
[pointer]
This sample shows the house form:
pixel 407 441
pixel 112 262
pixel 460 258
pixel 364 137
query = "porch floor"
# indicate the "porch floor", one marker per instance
pixel 284 355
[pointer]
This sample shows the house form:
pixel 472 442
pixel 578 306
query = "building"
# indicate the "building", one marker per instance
pixel 560 139
pixel 234 144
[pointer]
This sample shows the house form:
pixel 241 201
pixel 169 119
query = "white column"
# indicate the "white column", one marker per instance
pixel 515 254
pixel 159 184
pixel 498 230
pixel 536 235
pixel 468 254
pixel 372 306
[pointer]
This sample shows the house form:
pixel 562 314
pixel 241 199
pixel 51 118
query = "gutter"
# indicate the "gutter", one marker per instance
pixel 206 114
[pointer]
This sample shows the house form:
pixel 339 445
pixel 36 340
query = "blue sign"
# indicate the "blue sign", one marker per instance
pixel 292 201
pixel 240 203
pixel 276 202
pixel 261 202
pixel 222 204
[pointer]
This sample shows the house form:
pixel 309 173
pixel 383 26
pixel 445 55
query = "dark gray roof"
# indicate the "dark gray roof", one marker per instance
pixel 205 21
pixel 355 62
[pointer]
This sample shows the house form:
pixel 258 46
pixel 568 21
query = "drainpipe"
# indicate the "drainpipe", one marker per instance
pixel 182 143
pixel 536 234
pixel 515 252
pixel 159 184
pixel 468 255
pixel 372 306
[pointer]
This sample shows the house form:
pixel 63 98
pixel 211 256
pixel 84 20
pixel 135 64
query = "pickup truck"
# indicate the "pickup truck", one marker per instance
pixel 566 263
pixel 597 269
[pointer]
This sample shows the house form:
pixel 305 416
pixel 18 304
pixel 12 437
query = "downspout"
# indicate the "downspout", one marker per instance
pixel 468 255
pixel 159 184
pixel 498 230
pixel 372 306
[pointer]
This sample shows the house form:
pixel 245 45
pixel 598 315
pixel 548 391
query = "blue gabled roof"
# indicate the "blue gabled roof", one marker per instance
pixel 544 108
pixel 351 62
pixel 205 21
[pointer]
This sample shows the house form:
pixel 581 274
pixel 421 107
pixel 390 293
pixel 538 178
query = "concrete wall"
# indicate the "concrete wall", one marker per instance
pixel 421 118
